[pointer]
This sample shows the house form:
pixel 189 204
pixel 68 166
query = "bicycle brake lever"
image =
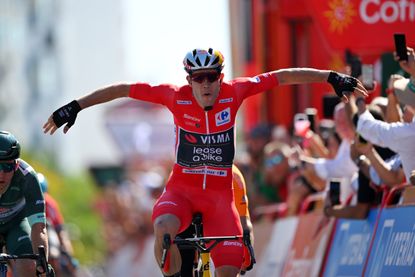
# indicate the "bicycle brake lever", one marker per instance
pixel 166 247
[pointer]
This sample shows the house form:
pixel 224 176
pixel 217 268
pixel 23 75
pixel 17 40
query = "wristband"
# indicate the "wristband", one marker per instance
pixel 390 91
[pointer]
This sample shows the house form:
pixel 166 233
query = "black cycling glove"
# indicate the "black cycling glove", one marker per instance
pixel 66 114
pixel 342 83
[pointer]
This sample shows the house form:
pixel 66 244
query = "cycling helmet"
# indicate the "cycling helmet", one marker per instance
pixel 43 182
pixel 200 59
pixel 9 147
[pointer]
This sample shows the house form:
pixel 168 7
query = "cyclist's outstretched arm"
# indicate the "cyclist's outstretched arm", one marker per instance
pixel 67 113
pixel 343 85
pixel 103 95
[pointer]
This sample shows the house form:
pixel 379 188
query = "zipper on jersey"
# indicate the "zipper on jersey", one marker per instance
pixel 207 133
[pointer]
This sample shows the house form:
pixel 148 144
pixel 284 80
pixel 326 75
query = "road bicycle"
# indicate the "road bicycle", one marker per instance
pixel 40 258
pixel 203 246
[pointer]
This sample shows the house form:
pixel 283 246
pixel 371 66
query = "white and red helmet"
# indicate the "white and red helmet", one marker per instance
pixel 201 59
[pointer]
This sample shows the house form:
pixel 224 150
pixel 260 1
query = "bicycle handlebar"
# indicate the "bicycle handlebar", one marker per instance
pixel 199 244
pixel 39 258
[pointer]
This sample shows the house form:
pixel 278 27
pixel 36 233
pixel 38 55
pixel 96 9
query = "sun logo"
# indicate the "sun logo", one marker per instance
pixel 336 63
pixel 340 15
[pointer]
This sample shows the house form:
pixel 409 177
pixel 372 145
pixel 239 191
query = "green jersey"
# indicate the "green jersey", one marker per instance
pixel 22 199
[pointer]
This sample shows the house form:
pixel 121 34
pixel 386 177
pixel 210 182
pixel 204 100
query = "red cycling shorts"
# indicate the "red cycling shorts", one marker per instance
pixel 219 217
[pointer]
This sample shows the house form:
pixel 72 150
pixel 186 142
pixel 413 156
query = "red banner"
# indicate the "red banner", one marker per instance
pixel 365 26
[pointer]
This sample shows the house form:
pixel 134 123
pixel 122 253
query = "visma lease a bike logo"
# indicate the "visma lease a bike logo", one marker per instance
pixel 196 149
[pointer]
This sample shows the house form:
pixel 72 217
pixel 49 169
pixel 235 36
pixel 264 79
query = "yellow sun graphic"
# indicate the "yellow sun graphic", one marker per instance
pixel 336 63
pixel 340 15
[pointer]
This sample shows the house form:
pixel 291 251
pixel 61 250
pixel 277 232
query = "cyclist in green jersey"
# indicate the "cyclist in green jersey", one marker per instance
pixel 22 206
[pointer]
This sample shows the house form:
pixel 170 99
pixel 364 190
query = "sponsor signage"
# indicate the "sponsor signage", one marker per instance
pixel 271 262
pixel 305 257
pixel 363 24
pixel 393 251
pixel 350 246
pixel 216 149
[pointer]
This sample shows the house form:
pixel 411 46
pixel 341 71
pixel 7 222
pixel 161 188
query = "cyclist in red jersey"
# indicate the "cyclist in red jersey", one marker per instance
pixel 60 246
pixel 204 114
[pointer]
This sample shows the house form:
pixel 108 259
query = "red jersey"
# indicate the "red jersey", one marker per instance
pixel 53 214
pixel 205 140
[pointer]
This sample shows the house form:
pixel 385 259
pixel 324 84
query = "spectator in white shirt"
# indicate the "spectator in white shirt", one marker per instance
pixel 398 136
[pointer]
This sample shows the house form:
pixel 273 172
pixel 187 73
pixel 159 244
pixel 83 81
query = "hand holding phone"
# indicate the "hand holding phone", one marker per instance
pixel 367 76
pixel 334 192
pixel 400 47
pixel 301 125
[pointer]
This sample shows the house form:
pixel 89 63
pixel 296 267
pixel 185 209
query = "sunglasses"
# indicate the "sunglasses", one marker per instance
pixel 211 77
pixel 7 167
pixel 274 160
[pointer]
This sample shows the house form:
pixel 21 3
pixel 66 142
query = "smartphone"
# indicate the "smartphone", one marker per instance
pixel 334 191
pixel 311 116
pixel 354 62
pixel 367 76
pixel 400 47
pixel 301 124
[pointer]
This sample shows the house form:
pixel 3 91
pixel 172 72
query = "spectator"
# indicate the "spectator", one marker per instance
pixel 252 166
pixel 374 170
pixel 412 178
pixel 276 170
pixel 397 136
pixel 319 171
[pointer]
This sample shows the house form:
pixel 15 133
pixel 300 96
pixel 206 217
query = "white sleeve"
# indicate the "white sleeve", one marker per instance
pixel 341 166
pixel 382 133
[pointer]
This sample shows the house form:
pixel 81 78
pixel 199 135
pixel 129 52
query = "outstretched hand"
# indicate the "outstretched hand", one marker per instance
pixel 65 114
pixel 345 86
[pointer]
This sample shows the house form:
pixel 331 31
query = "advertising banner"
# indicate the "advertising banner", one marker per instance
pixel 305 257
pixel 366 25
pixel 393 251
pixel 349 249
pixel 271 262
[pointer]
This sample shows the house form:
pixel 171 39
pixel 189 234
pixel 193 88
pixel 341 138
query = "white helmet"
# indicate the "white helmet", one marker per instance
pixel 200 59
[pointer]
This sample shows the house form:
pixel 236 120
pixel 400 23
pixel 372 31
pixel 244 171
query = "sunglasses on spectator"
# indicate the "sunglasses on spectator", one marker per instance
pixel 274 160
pixel 211 77
pixel 7 167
